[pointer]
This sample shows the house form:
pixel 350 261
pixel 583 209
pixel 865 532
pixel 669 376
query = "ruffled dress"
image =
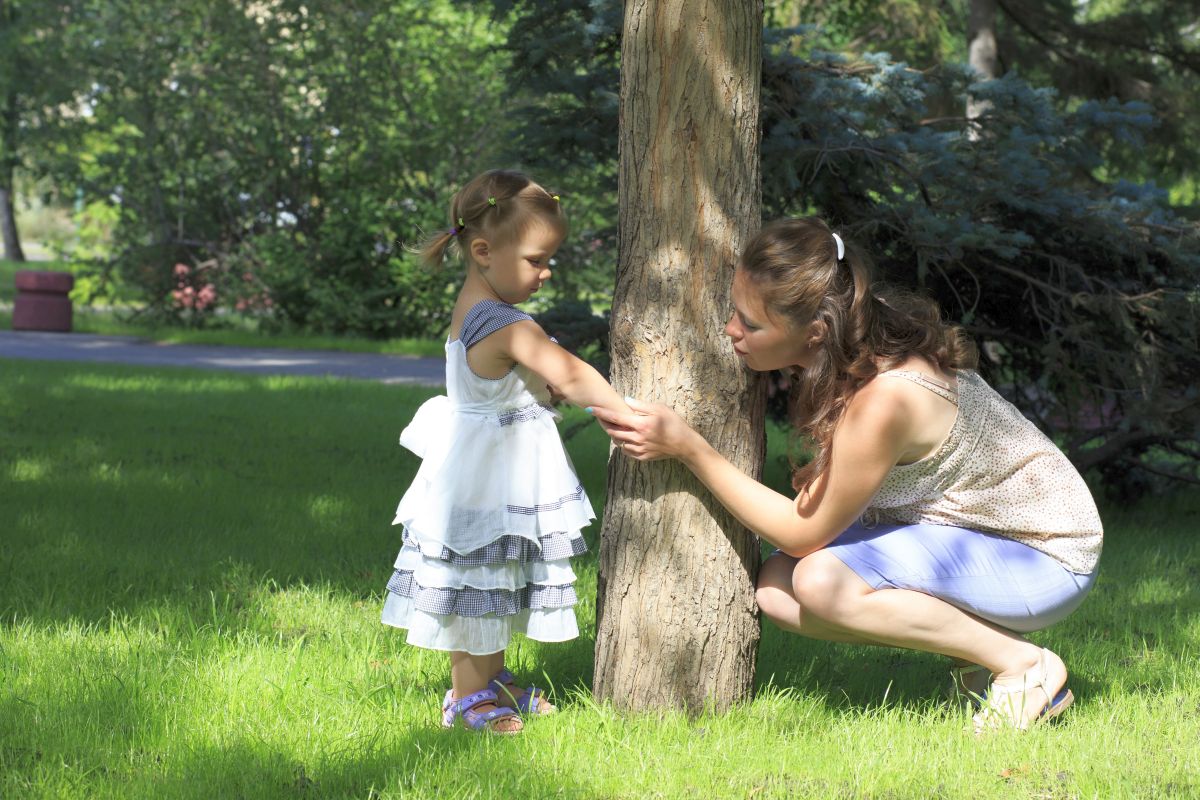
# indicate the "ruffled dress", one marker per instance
pixel 494 513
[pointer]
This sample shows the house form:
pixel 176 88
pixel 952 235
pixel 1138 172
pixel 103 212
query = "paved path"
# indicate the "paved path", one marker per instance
pixel 261 360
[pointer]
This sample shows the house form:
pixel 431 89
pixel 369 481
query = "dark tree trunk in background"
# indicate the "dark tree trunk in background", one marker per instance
pixel 982 53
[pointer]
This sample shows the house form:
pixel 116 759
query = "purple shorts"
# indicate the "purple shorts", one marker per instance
pixel 998 579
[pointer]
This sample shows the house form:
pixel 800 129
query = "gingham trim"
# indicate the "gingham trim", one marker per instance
pixel 573 497
pixel 523 414
pixel 485 318
pixel 553 546
pixel 471 602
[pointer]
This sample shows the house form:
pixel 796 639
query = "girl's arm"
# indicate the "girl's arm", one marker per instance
pixel 867 444
pixel 578 381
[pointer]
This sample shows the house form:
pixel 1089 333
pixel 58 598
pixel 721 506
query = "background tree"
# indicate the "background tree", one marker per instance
pixel 1080 284
pixel 290 151
pixel 677 623
pixel 37 80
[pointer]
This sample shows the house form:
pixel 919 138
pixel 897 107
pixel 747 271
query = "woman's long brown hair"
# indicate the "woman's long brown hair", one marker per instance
pixel 869 327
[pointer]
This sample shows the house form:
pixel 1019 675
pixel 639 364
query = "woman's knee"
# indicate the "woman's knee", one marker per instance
pixel 774 590
pixel 818 584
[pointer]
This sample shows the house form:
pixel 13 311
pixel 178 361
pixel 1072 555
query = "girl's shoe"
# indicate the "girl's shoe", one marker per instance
pixel 968 685
pixel 531 700
pixel 455 710
pixel 1007 698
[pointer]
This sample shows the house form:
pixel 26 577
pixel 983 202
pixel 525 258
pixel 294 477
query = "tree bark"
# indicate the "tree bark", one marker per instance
pixel 677 624
pixel 982 54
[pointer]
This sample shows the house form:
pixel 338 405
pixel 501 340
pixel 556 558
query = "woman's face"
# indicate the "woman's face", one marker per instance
pixel 760 338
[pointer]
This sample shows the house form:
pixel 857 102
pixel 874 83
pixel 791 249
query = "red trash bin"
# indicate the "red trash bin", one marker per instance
pixel 43 302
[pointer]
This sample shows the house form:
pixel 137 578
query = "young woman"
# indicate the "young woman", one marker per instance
pixel 933 516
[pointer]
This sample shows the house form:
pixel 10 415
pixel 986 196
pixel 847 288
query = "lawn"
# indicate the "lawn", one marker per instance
pixel 191 570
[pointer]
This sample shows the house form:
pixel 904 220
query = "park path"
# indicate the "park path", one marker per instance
pixel 260 360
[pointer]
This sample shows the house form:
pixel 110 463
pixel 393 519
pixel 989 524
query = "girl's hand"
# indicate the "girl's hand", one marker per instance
pixel 654 431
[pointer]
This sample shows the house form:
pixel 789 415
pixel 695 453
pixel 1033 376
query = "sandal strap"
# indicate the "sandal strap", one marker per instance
pixel 472 700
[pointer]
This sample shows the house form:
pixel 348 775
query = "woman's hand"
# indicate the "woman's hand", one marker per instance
pixel 652 432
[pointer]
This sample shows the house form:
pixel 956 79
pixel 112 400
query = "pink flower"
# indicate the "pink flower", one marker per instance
pixel 207 296
pixel 181 270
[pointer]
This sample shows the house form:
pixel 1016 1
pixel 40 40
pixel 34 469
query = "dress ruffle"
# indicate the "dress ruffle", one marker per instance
pixel 468 601
pixel 550 547
pixel 488 475
pixel 477 635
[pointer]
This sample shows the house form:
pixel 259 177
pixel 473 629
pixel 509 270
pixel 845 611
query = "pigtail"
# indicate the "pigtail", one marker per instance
pixel 433 251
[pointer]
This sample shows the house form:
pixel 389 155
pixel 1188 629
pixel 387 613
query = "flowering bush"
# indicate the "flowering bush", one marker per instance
pixel 195 293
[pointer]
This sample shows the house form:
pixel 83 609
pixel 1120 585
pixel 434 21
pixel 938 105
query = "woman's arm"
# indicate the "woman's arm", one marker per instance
pixel 866 446
pixel 578 381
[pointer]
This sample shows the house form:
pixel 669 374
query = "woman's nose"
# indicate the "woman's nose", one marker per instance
pixel 731 328
pixel 545 275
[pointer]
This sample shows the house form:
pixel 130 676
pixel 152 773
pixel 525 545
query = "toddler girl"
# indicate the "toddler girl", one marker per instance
pixel 496 509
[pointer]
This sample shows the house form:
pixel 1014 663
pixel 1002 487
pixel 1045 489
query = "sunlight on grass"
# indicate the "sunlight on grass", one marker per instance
pixel 29 469
pixel 191 574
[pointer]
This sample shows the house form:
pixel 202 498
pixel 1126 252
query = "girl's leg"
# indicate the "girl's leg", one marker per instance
pixel 470 674
pixel 825 587
pixel 516 692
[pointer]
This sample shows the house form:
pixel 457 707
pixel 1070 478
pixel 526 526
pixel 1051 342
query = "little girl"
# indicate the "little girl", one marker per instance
pixel 496 509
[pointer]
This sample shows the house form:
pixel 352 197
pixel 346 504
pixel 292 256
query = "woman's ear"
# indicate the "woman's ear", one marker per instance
pixel 480 252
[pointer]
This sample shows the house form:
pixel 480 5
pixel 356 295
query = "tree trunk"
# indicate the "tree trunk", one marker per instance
pixel 677 625
pixel 982 54
pixel 8 158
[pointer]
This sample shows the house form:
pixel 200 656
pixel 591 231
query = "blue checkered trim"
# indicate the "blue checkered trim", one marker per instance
pixel 485 318
pixel 523 414
pixel 471 602
pixel 551 547
pixel 573 497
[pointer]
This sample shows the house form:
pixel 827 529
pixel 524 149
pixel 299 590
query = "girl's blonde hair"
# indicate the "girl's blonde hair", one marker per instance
pixel 869 327
pixel 499 205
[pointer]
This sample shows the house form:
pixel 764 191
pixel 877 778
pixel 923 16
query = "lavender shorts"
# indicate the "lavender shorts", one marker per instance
pixel 998 579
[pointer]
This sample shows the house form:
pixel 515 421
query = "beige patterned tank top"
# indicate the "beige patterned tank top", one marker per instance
pixel 994 472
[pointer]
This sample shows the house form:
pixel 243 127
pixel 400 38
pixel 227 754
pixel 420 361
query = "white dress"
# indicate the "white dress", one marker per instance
pixel 494 513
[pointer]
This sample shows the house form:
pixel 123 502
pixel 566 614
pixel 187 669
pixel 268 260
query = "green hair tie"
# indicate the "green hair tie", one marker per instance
pixel 555 197
pixel 491 201
pixel 460 222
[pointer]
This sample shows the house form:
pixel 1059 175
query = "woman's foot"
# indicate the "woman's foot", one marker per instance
pixel 526 699
pixel 968 683
pixel 1019 697
pixel 480 711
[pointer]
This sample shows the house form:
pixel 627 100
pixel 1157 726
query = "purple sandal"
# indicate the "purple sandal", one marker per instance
pixel 454 710
pixel 530 701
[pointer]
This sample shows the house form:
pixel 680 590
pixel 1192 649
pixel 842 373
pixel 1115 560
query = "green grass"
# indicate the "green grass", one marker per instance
pixel 191 570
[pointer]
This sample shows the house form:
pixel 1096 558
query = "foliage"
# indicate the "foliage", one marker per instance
pixel 565 67
pixel 307 145
pixel 1080 286
pixel 1082 293
pixel 579 330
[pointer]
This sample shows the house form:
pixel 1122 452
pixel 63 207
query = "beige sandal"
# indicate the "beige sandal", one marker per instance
pixel 968 685
pixel 1004 702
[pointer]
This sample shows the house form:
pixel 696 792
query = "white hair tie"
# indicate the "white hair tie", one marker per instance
pixel 841 247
